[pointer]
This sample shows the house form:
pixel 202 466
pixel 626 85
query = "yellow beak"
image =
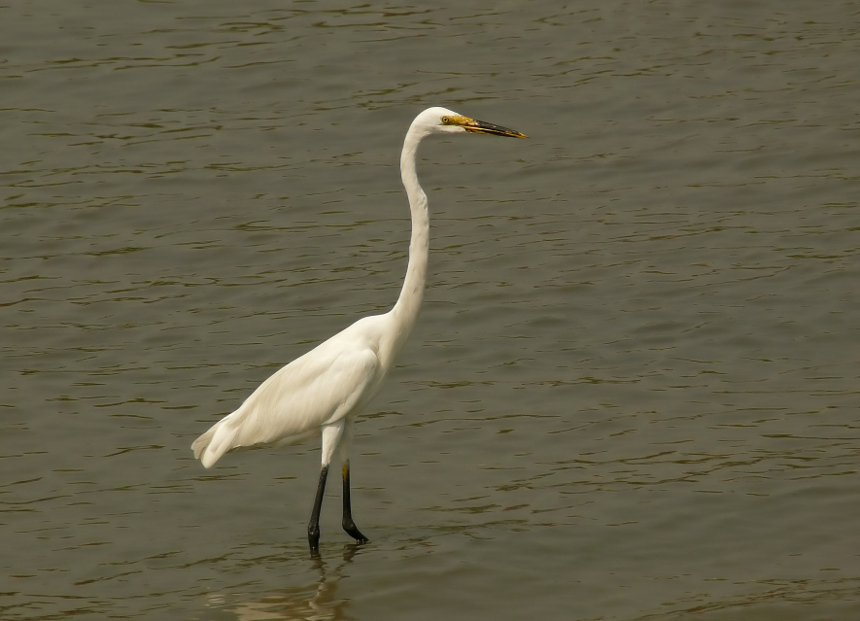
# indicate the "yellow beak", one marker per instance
pixel 482 127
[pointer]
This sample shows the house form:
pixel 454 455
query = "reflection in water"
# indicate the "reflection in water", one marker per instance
pixel 316 600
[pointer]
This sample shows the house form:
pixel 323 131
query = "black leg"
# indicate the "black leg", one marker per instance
pixel 314 524
pixel 348 525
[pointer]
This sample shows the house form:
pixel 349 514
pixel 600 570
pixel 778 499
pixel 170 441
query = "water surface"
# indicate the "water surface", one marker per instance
pixel 633 391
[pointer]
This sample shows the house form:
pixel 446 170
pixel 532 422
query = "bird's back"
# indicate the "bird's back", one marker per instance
pixel 334 380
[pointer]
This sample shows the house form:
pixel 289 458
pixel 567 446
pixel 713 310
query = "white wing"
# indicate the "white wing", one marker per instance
pixel 325 385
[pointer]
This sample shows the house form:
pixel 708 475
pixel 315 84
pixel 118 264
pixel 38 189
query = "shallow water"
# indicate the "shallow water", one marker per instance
pixel 633 392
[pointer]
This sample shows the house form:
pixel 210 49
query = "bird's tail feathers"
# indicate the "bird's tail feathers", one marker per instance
pixel 214 443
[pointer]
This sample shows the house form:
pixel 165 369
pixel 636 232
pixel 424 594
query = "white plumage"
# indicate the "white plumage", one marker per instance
pixel 320 388
pixel 323 390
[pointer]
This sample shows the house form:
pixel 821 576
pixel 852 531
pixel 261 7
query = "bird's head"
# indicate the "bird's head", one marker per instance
pixel 444 121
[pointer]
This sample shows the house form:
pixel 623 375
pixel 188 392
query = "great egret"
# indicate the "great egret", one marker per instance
pixel 326 388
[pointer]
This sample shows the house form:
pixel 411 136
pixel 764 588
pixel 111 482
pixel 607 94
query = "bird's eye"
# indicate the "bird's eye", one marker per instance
pixel 446 120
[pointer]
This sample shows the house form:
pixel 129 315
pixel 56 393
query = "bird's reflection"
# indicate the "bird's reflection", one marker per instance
pixel 315 601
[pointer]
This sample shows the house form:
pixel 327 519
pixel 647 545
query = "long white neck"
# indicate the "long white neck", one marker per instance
pixel 405 311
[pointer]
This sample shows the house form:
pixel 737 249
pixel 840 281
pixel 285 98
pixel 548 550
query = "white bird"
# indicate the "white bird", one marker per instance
pixel 326 388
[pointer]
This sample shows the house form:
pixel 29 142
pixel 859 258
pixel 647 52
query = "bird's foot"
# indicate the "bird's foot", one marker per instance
pixel 352 530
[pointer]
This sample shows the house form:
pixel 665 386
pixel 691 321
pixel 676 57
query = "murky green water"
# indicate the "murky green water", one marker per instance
pixel 633 393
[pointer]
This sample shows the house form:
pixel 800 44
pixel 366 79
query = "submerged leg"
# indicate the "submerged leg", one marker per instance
pixel 314 524
pixel 348 525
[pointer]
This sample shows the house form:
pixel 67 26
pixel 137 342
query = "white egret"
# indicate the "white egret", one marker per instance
pixel 326 388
